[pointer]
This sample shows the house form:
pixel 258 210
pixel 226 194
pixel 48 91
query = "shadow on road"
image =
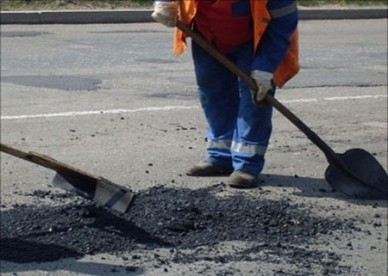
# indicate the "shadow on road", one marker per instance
pixel 31 252
pixel 314 187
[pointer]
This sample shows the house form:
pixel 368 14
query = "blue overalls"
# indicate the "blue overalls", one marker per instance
pixel 238 130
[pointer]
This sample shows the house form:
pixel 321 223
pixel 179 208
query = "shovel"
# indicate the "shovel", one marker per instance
pixel 97 189
pixel 355 173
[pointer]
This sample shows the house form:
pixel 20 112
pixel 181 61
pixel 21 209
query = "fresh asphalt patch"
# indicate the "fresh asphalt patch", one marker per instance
pixel 181 220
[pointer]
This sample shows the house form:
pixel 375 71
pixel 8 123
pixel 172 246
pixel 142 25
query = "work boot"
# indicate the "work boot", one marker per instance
pixel 242 180
pixel 208 169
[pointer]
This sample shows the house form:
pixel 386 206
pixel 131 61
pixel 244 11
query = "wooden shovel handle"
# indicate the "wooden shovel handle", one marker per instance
pixel 46 162
pixel 329 153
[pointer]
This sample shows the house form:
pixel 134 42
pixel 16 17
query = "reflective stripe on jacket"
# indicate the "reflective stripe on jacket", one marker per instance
pixel 287 68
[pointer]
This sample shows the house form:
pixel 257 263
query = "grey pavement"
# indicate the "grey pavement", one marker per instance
pixel 144 15
pixel 111 99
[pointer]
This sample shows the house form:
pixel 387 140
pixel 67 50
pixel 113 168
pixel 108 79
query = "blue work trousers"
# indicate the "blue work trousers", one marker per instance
pixel 238 130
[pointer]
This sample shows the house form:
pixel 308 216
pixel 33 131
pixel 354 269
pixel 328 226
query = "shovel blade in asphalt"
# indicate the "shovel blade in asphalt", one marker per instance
pixel 100 190
pixel 363 177
pixel 95 188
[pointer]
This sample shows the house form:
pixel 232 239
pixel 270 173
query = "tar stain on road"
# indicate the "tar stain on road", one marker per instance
pixel 68 83
pixel 22 34
pixel 183 220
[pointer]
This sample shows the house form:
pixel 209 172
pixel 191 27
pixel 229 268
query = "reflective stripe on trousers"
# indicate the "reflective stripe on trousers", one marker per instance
pixel 238 130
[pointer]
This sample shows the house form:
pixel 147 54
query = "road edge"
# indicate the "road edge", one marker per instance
pixel 144 15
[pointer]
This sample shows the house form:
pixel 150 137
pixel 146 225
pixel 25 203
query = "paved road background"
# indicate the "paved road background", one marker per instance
pixel 112 100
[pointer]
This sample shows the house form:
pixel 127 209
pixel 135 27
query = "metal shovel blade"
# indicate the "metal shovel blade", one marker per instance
pixel 360 176
pixel 101 191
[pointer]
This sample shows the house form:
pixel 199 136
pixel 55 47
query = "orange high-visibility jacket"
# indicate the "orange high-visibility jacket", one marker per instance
pixel 289 66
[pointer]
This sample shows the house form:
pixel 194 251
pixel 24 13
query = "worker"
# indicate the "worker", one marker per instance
pixel 260 37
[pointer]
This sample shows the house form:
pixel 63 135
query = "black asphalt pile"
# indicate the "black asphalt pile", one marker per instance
pixel 183 220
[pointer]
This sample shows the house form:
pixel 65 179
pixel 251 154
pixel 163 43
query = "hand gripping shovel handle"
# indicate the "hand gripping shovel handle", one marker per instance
pixel 92 187
pixel 329 153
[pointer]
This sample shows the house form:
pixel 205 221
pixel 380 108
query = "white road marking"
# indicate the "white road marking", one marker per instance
pixel 165 108
pixel 335 99
pixel 95 112
pixel 377 124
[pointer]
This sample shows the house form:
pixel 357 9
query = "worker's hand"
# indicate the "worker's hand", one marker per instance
pixel 165 12
pixel 264 85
